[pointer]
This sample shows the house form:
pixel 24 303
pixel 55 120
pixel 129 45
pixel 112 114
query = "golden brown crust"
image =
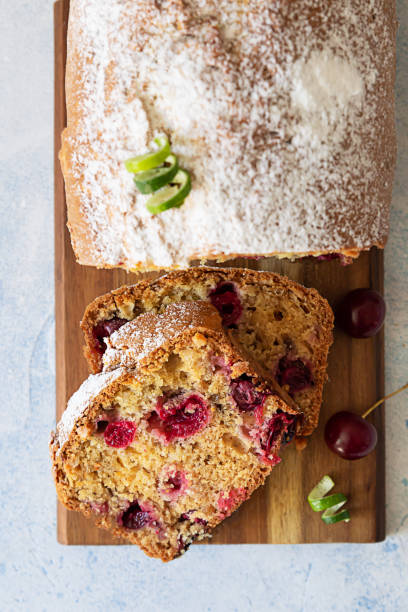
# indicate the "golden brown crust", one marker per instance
pixel 82 236
pixel 182 325
pixel 144 296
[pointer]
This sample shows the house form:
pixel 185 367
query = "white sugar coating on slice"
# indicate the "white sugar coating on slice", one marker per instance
pixel 281 124
pixel 128 357
pixel 87 392
pixel 142 337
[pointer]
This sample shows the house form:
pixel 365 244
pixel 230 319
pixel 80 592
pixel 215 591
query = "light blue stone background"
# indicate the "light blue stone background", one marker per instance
pixel 36 573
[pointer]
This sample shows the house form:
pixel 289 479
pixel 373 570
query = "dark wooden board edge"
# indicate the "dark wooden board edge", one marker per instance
pixel 377 275
pixel 61 11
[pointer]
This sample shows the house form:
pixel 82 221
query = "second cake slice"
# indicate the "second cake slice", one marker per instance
pixel 284 327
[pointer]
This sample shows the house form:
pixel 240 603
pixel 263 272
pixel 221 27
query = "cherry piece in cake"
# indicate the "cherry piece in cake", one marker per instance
pixel 104 329
pixel 171 421
pixel 244 394
pixel 135 518
pixel 279 429
pixel 226 300
pixel 119 434
pixel 295 374
pixel 174 484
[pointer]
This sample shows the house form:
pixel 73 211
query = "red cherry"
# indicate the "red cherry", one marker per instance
pixel 361 313
pixel 349 435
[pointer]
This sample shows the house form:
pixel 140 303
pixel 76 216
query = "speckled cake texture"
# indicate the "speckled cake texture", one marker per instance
pixel 283 112
pixel 284 327
pixel 164 449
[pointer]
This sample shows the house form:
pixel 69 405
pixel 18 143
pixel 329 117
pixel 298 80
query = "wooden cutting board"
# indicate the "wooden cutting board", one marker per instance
pixel 277 513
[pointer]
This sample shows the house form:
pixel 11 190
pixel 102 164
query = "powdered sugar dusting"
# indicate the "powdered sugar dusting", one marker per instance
pixel 279 110
pixel 130 356
pixel 81 399
pixel 139 339
pixel 325 82
pixel 325 86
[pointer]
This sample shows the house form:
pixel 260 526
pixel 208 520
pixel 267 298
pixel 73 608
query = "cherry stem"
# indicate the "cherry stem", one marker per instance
pixel 367 412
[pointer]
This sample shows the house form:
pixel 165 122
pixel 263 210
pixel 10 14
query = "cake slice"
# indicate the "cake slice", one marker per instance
pixel 164 447
pixel 285 327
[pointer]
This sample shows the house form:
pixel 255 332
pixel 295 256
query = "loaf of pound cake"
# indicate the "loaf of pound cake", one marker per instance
pixel 164 447
pixel 284 327
pixel 282 113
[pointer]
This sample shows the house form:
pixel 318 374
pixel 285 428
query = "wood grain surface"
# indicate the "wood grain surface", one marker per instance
pixel 277 513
